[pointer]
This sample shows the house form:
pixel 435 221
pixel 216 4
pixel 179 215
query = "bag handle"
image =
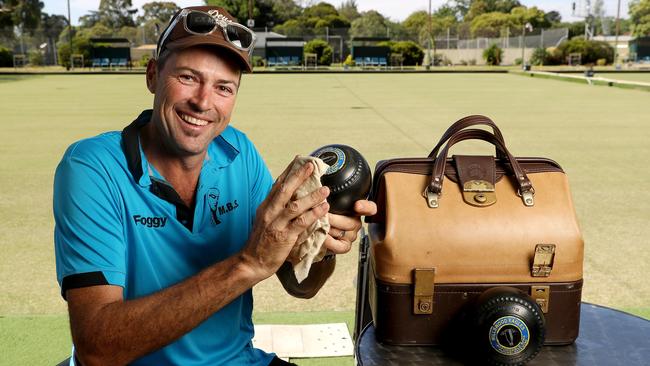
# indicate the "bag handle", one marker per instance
pixel 463 123
pixel 434 189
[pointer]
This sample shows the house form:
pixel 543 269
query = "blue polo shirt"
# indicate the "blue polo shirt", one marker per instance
pixel 119 222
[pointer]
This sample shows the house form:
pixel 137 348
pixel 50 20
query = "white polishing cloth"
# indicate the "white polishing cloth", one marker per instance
pixel 309 247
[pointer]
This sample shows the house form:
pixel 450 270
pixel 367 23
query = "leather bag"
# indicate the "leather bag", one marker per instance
pixel 449 228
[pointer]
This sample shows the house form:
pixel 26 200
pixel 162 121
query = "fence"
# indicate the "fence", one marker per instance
pixel 542 38
pixel 38 46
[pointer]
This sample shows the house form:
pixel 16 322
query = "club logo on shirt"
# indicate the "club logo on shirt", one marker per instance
pixel 217 210
pixel 149 221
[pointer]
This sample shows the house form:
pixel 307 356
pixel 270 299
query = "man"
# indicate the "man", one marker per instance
pixel 163 229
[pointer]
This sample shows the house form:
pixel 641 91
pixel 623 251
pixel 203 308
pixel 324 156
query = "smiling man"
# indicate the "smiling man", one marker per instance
pixel 162 229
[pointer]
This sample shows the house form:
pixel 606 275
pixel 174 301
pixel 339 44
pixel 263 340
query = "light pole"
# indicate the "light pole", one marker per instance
pixel 528 27
pixel 618 21
pixel 70 32
pixel 429 51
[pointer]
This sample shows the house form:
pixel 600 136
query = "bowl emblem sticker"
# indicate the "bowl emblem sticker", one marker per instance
pixel 332 156
pixel 509 335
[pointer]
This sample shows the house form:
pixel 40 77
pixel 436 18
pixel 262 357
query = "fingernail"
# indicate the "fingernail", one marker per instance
pixel 324 190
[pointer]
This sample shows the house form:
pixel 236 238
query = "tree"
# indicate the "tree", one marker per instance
pixel 418 26
pixel 461 7
pixel 161 11
pixel 640 17
pixel 284 10
pixel 293 28
pixel 348 10
pixel 553 17
pixel 522 15
pixel 322 50
pixel 445 11
pixel 90 19
pixel 116 14
pixel 479 7
pixel 53 25
pixel 491 24
pixel 263 13
pixel 25 14
pixel 98 30
pixel 320 10
pixel 370 24
pixel 506 6
pixel 51 28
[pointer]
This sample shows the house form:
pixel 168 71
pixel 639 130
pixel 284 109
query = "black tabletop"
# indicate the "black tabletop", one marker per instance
pixel 607 337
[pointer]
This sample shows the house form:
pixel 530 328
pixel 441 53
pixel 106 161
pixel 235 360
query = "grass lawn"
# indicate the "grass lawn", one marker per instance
pixel 643 77
pixel 599 135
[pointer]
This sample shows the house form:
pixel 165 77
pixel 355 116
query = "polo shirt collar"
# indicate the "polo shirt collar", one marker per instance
pixel 221 152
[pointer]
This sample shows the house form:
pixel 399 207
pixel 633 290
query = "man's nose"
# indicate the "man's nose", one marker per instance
pixel 201 99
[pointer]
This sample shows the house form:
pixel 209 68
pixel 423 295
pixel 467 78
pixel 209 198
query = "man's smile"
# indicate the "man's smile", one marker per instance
pixel 192 120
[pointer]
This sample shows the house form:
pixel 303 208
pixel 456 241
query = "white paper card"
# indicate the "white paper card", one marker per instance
pixel 303 341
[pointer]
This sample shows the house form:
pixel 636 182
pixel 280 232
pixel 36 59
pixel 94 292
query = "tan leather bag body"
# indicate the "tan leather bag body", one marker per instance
pixel 449 228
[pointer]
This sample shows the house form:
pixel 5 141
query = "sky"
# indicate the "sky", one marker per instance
pixel 396 10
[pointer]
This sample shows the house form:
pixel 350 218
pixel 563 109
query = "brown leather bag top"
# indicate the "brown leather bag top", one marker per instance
pixel 475 219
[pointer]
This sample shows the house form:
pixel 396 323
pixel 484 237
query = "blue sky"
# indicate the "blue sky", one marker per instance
pixel 394 9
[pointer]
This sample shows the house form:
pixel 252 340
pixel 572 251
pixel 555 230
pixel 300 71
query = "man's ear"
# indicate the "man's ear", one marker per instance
pixel 152 75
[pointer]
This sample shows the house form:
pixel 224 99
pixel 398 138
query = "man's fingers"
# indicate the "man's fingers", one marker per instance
pixel 337 246
pixel 295 208
pixel 303 221
pixel 346 223
pixel 282 192
pixel 365 208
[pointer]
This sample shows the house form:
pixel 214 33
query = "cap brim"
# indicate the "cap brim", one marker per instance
pixel 210 40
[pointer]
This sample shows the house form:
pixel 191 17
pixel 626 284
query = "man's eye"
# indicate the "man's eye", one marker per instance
pixel 225 89
pixel 186 78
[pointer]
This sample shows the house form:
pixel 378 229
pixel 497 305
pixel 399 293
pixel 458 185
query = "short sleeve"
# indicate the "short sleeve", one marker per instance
pixel 89 242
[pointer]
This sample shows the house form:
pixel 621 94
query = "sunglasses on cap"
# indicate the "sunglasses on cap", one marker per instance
pixel 203 23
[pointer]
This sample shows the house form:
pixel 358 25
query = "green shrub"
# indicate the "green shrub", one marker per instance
pixel 6 58
pixel 322 50
pixel 554 56
pixel 589 50
pixel 443 60
pixel 539 57
pixel 144 61
pixel 412 53
pixel 601 62
pixel 493 55
pixel 472 62
pixel 257 61
pixel 36 58
pixel 80 46
pixel 518 61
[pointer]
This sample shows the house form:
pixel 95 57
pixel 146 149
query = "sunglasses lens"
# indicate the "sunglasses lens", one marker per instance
pixel 239 36
pixel 199 22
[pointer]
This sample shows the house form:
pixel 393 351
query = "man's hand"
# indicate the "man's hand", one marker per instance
pixel 280 220
pixel 343 229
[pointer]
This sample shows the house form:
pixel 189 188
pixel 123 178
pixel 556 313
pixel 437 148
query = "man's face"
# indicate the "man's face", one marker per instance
pixel 195 94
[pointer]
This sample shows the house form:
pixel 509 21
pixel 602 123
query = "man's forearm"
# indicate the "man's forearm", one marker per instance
pixel 121 331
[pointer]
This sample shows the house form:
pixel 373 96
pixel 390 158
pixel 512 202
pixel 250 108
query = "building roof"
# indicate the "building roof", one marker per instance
pixel 262 36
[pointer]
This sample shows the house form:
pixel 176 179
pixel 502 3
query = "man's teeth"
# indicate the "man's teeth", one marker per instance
pixel 194 121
